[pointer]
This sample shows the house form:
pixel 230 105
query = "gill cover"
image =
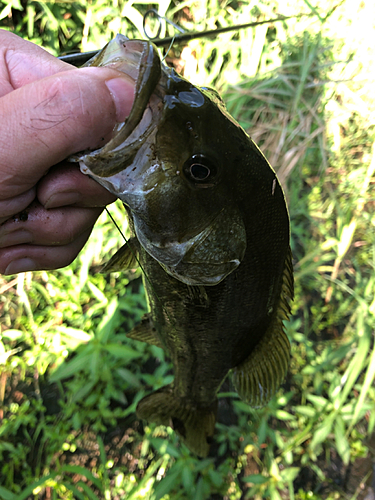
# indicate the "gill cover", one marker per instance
pixel 206 258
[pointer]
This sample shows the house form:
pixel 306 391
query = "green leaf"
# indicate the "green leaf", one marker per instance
pixel 122 351
pixel 83 391
pixel 367 383
pixel 242 406
pixel 342 444
pixel 290 473
pixel 321 433
pixel 129 377
pixel 167 483
pixel 199 490
pixel 187 479
pixel 79 363
pixel 355 367
pixel 77 335
pixel 108 323
pixel 6 494
pixel 307 411
pixel 318 401
pixel 98 294
pixel 216 478
pixel 263 430
pixel 256 479
pixel 274 494
pixel 284 415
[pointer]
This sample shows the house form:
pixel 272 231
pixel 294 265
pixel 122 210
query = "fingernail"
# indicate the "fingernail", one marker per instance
pixel 15 238
pixel 20 266
pixel 62 199
pixel 122 92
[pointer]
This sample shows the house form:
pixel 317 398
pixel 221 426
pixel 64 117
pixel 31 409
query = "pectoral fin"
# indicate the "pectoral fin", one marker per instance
pixel 124 258
pixel 145 332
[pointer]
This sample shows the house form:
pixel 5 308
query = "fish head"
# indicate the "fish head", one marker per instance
pixel 175 164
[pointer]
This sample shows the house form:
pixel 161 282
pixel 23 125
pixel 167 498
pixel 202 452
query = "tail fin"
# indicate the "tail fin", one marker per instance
pixel 194 425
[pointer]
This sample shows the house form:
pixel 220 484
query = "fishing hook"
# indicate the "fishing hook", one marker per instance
pixel 159 17
pixel 154 12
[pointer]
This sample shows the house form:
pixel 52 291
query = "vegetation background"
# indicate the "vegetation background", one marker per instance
pixel 70 380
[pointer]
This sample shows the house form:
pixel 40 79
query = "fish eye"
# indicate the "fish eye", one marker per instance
pixel 199 172
pixel 199 169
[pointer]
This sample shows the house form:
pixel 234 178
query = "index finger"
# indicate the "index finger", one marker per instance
pixel 47 120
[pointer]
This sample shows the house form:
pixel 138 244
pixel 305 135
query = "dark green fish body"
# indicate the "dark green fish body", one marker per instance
pixel 211 230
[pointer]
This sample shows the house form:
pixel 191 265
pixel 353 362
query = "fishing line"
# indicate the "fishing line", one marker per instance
pixel 81 58
pixel 169 48
pixel 122 234
pixel 141 267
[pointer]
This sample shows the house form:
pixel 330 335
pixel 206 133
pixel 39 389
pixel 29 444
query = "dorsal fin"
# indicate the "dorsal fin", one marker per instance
pixel 260 375
pixel 258 378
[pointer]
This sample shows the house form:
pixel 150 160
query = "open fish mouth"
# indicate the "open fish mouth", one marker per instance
pixel 140 61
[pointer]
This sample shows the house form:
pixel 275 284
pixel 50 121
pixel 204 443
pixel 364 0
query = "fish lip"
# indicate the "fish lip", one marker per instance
pixel 139 60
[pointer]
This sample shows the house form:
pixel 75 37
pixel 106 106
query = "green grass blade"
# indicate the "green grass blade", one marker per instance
pixel 82 471
pixel 367 383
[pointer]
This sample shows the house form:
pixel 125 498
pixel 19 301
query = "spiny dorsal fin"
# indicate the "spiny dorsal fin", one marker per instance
pixel 260 375
pixel 145 332
pixel 194 425
pixel 287 290
pixel 258 378
pixel 124 258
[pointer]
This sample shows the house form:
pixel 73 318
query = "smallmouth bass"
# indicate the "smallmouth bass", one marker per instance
pixel 211 231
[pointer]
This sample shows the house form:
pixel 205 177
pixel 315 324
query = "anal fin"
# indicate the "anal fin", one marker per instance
pixel 194 425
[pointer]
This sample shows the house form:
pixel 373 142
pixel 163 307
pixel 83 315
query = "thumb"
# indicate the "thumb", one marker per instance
pixel 51 118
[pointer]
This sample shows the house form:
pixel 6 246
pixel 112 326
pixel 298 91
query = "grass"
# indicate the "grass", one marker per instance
pixel 70 380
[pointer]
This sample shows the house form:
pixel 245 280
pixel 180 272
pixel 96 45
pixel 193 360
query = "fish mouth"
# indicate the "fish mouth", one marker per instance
pixel 140 61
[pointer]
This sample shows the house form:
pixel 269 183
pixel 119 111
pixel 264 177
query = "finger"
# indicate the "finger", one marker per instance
pixel 22 62
pixel 66 185
pixel 22 258
pixel 46 121
pixel 13 206
pixel 55 227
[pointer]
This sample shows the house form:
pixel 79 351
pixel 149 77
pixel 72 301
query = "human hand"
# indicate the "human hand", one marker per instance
pixel 48 111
